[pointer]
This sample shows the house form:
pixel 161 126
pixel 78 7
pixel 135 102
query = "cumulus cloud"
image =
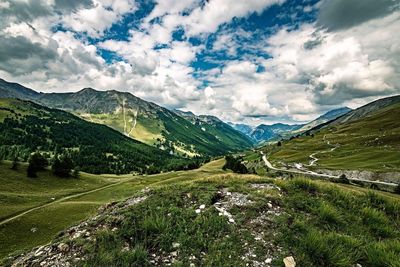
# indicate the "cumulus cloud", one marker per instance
pixel 348 56
pixel 98 18
pixel 207 18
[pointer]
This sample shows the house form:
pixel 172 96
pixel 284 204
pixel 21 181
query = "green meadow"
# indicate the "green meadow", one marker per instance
pixel 319 223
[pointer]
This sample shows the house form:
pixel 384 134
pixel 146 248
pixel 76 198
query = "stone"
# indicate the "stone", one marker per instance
pixel 198 211
pixel 202 207
pixel 269 260
pixel 289 262
pixel 63 247
pixel 176 245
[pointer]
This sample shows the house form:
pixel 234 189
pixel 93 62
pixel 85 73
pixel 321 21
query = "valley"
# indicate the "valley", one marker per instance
pixel 199 133
pixel 361 147
pixel 118 181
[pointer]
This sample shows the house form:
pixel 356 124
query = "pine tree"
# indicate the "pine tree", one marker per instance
pixel 36 163
pixel 62 166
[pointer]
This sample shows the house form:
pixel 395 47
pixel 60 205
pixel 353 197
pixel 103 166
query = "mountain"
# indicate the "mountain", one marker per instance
pixel 367 110
pixel 367 138
pixel 140 120
pixel 27 127
pixel 268 132
pixel 221 130
pixel 15 90
pixel 330 115
pixel 243 128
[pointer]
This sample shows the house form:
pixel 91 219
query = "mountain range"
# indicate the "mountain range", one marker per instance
pixel 141 120
pixel 175 131
pixel 263 133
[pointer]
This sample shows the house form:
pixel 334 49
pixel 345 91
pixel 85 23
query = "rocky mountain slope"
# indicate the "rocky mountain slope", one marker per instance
pixel 243 128
pixel 221 130
pixel 330 115
pixel 264 132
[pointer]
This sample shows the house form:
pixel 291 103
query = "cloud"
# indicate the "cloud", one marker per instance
pixel 207 18
pixel 15 11
pixel 343 14
pixel 341 66
pixel 99 17
pixel 288 73
pixel 19 51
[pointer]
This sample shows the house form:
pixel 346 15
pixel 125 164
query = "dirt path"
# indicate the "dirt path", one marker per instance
pixel 63 199
pixel 313 157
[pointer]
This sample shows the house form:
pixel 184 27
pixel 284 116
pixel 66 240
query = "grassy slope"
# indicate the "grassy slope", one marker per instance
pixel 371 144
pixel 323 224
pixel 17 235
pixel 145 130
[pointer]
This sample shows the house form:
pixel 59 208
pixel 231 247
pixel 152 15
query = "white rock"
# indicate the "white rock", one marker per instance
pixel 198 211
pixel 63 247
pixel 269 260
pixel 289 262
pixel 176 245
pixel 202 207
pixel 231 220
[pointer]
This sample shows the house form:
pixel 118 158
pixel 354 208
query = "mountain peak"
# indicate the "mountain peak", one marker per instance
pixel 87 89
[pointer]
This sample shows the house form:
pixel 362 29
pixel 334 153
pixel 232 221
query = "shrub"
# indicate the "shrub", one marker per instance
pixel 397 189
pixel 235 164
pixel 14 164
pixel 75 173
pixel 343 179
pixel 36 163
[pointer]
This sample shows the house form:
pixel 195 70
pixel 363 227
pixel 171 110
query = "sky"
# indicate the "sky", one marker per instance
pixel 248 61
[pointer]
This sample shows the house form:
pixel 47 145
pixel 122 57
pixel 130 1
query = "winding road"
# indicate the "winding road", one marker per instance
pixel 323 175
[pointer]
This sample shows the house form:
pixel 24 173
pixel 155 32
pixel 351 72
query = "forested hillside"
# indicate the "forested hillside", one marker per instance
pixel 27 127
